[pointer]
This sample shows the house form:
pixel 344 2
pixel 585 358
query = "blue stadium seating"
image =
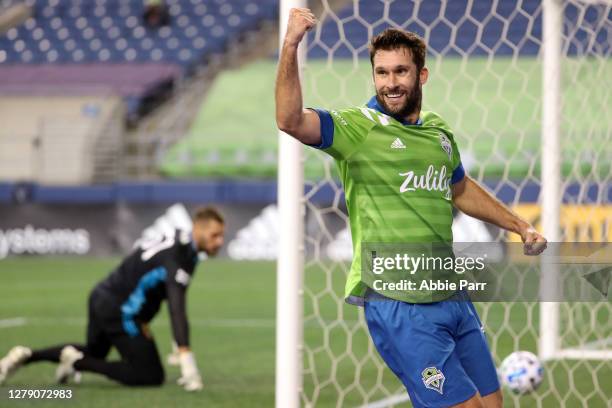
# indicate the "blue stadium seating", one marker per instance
pixel 85 31
pixel 74 31
pixel 113 32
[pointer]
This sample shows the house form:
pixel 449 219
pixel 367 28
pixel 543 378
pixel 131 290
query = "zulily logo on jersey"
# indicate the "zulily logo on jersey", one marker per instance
pixel 432 180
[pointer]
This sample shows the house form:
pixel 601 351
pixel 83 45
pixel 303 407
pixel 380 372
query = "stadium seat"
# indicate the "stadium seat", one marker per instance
pixel 101 24
pixel 112 31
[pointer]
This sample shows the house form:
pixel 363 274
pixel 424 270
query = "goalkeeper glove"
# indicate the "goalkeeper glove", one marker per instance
pixel 190 376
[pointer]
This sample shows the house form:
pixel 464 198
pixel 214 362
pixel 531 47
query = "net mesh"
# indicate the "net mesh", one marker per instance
pixel 486 81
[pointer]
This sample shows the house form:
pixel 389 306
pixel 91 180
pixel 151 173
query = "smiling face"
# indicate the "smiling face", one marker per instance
pixel 398 82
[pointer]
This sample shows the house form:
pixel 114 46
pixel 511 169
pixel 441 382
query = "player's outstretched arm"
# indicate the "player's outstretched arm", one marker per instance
pixel 176 292
pixel 291 117
pixel 470 198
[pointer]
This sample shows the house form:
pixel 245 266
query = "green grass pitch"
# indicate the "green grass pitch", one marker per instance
pixel 232 310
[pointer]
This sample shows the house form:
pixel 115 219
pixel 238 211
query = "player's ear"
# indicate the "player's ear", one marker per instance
pixel 423 75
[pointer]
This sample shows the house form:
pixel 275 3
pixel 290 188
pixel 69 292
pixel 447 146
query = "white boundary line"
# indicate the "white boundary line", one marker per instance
pixel 229 323
pixel 388 402
pixel 597 344
pixel 13 322
pixel 219 323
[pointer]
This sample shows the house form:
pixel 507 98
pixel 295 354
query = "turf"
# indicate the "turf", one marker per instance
pixel 232 309
pixel 235 357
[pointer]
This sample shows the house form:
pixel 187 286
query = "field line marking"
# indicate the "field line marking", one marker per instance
pixel 223 323
pixel 597 344
pixel 230 323
pixel 12 322
pixel 388 402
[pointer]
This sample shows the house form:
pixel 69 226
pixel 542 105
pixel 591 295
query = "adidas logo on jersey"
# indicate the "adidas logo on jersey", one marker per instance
pixel 397 144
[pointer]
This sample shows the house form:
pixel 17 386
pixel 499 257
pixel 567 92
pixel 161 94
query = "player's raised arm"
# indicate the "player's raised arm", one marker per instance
pixel 291 117
pixel 475 201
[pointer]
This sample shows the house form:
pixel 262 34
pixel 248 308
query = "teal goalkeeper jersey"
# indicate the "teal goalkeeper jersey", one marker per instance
pixel 396 179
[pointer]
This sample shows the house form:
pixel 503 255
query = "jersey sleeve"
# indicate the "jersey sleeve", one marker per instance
pixel 343 131
pixel 458 170
pixel 176 290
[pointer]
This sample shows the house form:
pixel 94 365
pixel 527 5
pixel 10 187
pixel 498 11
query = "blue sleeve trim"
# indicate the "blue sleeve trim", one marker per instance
pixel 458 174
pixel 137 299
pixel 327 129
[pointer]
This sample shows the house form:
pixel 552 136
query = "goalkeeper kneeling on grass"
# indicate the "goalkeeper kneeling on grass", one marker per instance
pixel 122 305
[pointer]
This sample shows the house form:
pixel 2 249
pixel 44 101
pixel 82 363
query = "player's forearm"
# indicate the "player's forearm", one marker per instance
pixel 180 329
pixel 288 93
pixel 177 308
pixel 475 201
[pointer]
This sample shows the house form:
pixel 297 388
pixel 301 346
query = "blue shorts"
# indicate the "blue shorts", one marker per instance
pixel 438 350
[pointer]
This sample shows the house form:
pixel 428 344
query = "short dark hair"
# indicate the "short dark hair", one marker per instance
pixel 207 214
pixel 393 39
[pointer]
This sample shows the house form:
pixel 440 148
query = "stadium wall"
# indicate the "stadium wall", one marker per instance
pixel 107 219
pixel 91 230
pixel 57 139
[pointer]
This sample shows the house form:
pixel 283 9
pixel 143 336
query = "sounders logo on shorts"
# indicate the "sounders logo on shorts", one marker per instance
pixel 433 379
pixel 432 180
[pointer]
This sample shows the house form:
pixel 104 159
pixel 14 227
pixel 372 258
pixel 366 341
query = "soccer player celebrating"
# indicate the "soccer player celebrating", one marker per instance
pixel 123 304
pixel 402 173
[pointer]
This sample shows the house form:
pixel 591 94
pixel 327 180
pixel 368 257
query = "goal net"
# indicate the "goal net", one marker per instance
pixel 486 79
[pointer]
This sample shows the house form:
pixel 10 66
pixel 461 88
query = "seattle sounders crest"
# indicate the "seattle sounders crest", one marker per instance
pixel 446 145
pixel 433 379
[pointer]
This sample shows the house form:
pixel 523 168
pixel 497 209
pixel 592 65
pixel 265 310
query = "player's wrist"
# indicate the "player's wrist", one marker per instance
pixel 527 229
pixel 522 227
pixel 291 43
pixel 189 368
pixel 187 358
pixel 190 375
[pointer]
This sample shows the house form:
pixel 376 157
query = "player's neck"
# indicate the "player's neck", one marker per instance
pixel 413 117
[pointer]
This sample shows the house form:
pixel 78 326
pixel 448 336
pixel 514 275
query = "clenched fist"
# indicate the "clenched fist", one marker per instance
pixel 534 242
pixel 300 21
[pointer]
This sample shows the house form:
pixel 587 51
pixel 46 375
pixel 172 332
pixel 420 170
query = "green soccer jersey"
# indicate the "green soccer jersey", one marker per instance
pixel 396 180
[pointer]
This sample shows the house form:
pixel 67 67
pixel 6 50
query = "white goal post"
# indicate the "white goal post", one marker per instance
pixel 309 366
pixel 289 275
pixel 551 166
pixel 549 346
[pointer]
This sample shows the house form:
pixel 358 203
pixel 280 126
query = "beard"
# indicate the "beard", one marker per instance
pixel 411 105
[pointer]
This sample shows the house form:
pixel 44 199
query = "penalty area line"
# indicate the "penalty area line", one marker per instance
pixel 239 323
pixel 388 402
pixel 597 344
pixel 13 322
